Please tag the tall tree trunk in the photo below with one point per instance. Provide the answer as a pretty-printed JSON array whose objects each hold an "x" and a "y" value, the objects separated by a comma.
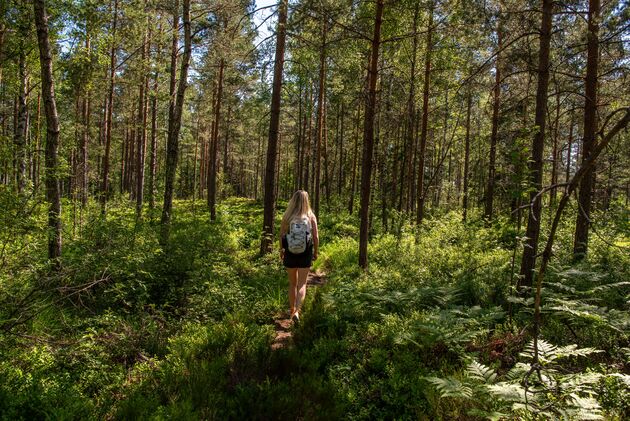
[
  {"x": 109, "y": 112},
  {"x": 142, "y": 128},
  {"x": 270, "y": 188},
  {"x": 53, "y": 188},
  {"x": 341, "y": 157},
  {"x": 495, "y": 124},
  {"x": 554, "y": 152},
  {"x": 466, "y": 157},
  {"x": 308, "y": 140},
  {"x": 425, "y": 119},
  {"x": 214, "y": 148},
  {"x": 20, "y": 130},
  {"x": 580, "y": 245},
  {"x": 567, "y": 176},
  {"x": 368, "y": 138},
  {"x": 528, "y": 263},
  {"x": 85, "y": 135},
  {"x": 226, "y": 144},
  {"x": 297, "y": 183},
  {"x": 153, "y": 158},
  {"x": 355, "y": 157},
  {"x": 38, "y": 143},
  {"x": 411, "y": 111},
  {"x": 174, "y": 124},
  {"x": 320, "y": 114}
]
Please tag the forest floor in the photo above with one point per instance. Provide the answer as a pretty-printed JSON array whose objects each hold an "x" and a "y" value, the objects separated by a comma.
[
  {"x": 193, "y": 330},
  {"x": 283, "y": 323}
]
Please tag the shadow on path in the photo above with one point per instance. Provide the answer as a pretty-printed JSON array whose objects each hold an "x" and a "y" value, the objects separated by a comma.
[{"x": 283, "y": 324}]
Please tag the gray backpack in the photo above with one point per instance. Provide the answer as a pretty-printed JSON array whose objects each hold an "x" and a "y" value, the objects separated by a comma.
[{"x": 299, "y": 235}]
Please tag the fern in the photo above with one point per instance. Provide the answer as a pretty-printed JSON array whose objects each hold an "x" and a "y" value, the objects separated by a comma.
[
  {"x": 481, "y": 373},
  {"x": 451, "y": 387},
  {"x": 547, "y": 392},
  {"x": 548, "y": 353}
]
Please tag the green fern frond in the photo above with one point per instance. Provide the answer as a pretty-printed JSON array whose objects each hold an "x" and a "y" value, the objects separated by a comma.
[
  {"x": 508, "y": 392},
  {"x": 545, "y": 350},
  {"x": 623, "y": 377},
  {"x": 518, "y": 371},
  {"x": 574, "y": 351},
  {"x": 481, "y": 373},
  {"x": 584, "y": 408},
  {"x": 548, "y": 352},
  {"x": 605, "y": 287},
  {"x": 451, "y": 387}
]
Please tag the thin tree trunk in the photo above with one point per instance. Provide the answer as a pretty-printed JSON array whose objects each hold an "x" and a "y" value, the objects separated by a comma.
[
  {"x": 425, "y": 119},
  {"x": 109, "y": 111},
  {"x": 580, "y": 245},
  {"x": 270, "y": 188},
  {"x": 528, "y": 262},
  {"x": 174, "y": 124},
  {"x": 341, "y": 156},
  {"x": 355, "y": 157},
  {"x": 466, "y": 157},
  {"x": 142, "y": 129},
  {"x": 38, "y": 144},
  {"x": 569, "y": 147},
  {"x": 214, "y": 149},
  {"x": 153, "y": 158},
  {"x": 495, "y": 125},
  {"x": 320, "y": 115},
  {"x": 53, "y": 189},
  {"x": 368, "y": 138},
  {"x": 226, "y": 144},
  {"x": 554, "y": 152},
  {"x": 20, "y": 130},
  {"x": 411, "y": 111}
]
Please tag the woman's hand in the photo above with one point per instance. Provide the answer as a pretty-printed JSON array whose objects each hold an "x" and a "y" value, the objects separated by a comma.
[
  {"x": 282, "y": 254},
  {"x": 315, "y": 255}
]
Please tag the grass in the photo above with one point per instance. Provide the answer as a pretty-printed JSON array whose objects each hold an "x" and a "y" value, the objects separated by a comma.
[{"x": 184, "y": 332}]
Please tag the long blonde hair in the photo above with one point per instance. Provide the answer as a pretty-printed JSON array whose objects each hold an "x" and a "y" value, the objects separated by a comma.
[{"x": 298, "y": 207}]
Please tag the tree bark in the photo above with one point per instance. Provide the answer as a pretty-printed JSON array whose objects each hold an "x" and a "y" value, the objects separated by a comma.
[
  {"x": 214, "y": 148},
  {"x": 142, "y": 129},
  {"x": 355, "y": 157},
  {"x": 368, "y": 138},
  {"x": 109, "y": 112},
  {"x": 528, "y": 262},
  {"x": 495, "y": 125},
  {"x": 425, "y": 119},
  {"x": 411, "y": 111},
  {"x": 466, "y": 158},
  {"x": 580, "y": 245},
  {"x": 20, "y": 130},
  {"x": 174, "y": 123},
  {"x": 569, "y": 147},
  {"x": 53, "y": 188},
  {"x": 320, "y": 115},
  {"x": 153, "y": 158},
  {"x": 270, "y": 176}
]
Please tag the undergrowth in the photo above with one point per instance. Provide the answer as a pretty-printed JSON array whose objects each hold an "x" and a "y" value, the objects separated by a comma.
[{"x": 128, "y": 329}]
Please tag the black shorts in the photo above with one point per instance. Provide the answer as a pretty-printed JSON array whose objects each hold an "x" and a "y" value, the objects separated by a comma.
[{"x": 302, "y": 260}]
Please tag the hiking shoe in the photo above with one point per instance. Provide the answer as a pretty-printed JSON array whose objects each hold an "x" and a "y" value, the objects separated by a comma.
[{"x": 295, "y": 318}]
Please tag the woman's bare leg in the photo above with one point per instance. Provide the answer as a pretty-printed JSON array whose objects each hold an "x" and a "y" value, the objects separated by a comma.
[
  {"x": 302, "y": 274},
  {"x": 292, "y": 288}
]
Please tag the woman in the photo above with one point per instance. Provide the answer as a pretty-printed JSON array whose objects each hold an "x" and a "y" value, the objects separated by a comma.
[{"x": 298, "y": 231}]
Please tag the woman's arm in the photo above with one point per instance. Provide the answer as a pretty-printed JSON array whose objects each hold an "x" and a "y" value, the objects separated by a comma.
[{"x": 315, "y": 236}]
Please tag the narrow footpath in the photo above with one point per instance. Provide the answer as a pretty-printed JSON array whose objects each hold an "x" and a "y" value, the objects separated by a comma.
[{"x": 283, "y": 324}]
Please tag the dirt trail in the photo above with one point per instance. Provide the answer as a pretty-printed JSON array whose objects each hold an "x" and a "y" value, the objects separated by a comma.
[{"x": 283, "y": 324}]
